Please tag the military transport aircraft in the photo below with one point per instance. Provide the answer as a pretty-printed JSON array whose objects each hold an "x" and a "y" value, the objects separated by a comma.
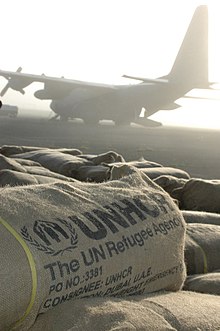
[{"x": 93, "y": 102}]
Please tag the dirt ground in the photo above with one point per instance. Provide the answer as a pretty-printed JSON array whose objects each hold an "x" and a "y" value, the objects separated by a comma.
[{"x": 193, "y": 150}]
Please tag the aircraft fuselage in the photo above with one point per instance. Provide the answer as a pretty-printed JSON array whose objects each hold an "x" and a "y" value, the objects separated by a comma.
[{"x": 122, "y": 105}]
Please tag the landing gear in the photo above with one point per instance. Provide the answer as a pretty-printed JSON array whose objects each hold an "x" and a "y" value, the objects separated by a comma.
[
  {"x": 91, "y": 119},
  {"x": 54, "y": 117},
  {"x": 64, "y": 118},
  {"x": 122, "y": 121}
]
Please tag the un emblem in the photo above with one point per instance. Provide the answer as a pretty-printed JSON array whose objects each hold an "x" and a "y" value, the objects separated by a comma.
[{"x": 52, "y": 238}]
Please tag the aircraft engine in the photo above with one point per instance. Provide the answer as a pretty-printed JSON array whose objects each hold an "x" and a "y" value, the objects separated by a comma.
[
  {"x": 51, "y": 93},
  {"x": 42, "y": 95},
  {"x": 16, "y": 83}
]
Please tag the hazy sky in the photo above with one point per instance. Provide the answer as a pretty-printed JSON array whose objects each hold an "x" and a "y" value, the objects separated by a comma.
[{"x": 100, "y": 40}]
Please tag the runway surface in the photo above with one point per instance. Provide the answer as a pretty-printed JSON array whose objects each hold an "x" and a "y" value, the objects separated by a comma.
[{"x": 193, "y": 150}]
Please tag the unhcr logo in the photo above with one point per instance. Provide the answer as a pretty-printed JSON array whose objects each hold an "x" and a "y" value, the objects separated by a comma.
[{"x": 49, "y": 237}]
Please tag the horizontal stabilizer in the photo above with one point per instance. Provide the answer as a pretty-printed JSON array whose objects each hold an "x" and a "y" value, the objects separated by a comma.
[
  {"x": 171, "y": 106},
  {"x": 214, "y": 86},
  {"x": 147, "y": 80},
  {"x": 201, "y": 98}
]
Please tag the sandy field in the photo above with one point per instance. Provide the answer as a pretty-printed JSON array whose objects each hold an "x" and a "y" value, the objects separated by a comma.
[{"x": 193, "y": 150}]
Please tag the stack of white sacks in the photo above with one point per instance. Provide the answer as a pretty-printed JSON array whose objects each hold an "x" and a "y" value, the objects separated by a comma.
[{"x": 92, "y": 242}]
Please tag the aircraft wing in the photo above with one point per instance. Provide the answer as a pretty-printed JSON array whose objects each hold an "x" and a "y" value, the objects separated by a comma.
[{"x": 18, "y": 81}]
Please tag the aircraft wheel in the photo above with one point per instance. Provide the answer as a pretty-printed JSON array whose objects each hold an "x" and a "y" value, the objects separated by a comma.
[
  {"x": 64, "y": 118},
  {"x": 121, "y": 121}
]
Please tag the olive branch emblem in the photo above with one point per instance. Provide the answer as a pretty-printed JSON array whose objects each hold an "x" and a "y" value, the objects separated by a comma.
[{"x": 47, "y": 249}]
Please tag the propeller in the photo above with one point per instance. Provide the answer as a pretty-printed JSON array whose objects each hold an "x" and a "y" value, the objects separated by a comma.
[
  {"x": 8, "y": 85},
  {"x": 5, "y": 89}
]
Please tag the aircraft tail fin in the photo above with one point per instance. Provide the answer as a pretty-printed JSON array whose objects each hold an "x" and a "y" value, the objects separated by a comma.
[{"x": 191, "y": 64}]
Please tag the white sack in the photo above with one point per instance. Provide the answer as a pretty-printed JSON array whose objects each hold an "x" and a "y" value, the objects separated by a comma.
[
  {"x": 205, "y": 283},
  {"x": 163, "y": 311},
  {"x": 108, "y": 157},
  {"x": 15, "y": 178},
  {"x": 159, "y": 171},
  {"x": 8, "y": 163},
  {"x": 191, "y": 216},
  {"x": 200, "y": 195},
  {"x": 9, "y": 150},
  {"x": 56, "y": 161},
  {"x": 96, "y": 173},
  {"x": 202, "y": 247},
  {"x": 60, "y": 242},
  {"x": 170, "y": 183},
  {"x": 140, "y": 164}
]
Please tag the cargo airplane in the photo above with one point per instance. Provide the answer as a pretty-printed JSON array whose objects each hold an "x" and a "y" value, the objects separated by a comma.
[{"x": 93, "y": 102}]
